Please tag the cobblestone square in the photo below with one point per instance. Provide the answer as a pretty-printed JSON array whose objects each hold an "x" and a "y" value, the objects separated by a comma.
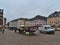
[{"x": 12, "y": 38}]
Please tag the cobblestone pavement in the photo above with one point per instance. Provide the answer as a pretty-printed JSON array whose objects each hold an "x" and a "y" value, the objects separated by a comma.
[{"x": 12, "y": 38}]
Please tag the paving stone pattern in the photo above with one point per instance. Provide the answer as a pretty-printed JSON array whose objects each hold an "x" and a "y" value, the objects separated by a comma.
[{"x": 12, "y": 38}]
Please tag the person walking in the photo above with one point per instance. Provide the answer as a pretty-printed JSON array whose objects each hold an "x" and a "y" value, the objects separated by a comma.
[{"x": 3, "y": 30}]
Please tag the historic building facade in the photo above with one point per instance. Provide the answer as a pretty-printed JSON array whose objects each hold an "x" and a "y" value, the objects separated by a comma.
[
  {"x": 13, "y": 23},
  {"x": 39, "y": 20},
  {"x": 54, "y": 19},
  {"x": 1, "y": 16},
  {"x": 4, "y": 21},
  {"x": 24, "y": 22},
  {"x": 20, "y": 22}
]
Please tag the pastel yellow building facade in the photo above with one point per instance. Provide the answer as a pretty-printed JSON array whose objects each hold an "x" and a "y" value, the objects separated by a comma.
[{"x": 54, "y": 19}]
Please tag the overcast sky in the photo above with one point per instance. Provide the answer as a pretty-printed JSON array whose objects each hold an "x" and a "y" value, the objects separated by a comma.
[{"x": 28, "y": 8}]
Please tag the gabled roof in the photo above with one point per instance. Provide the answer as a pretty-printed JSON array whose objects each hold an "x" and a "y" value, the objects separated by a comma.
[
  {"x": 39, "y": 17},
  {"x": 35, "y": 18},
  {"x": 19, "y": 19},
  {"x": 55, "y": 14}
]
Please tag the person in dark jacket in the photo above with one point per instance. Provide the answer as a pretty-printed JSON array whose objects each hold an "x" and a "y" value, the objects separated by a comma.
[{"x": 3, "y": 30}]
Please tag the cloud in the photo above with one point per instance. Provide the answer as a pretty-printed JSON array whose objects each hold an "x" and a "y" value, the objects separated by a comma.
[{"x": 28, "y": 8}]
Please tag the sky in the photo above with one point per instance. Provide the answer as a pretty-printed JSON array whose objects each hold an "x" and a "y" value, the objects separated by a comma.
[{"x": 14, "y": 9}]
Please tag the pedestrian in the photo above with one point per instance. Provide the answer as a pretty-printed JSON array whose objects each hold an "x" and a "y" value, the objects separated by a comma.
[
  {"x": 3, "y": 30},
  {"x": 15, "y": 29}
]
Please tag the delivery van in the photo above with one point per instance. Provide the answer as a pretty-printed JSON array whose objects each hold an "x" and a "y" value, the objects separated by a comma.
[{"x": 46, "y": 29}]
